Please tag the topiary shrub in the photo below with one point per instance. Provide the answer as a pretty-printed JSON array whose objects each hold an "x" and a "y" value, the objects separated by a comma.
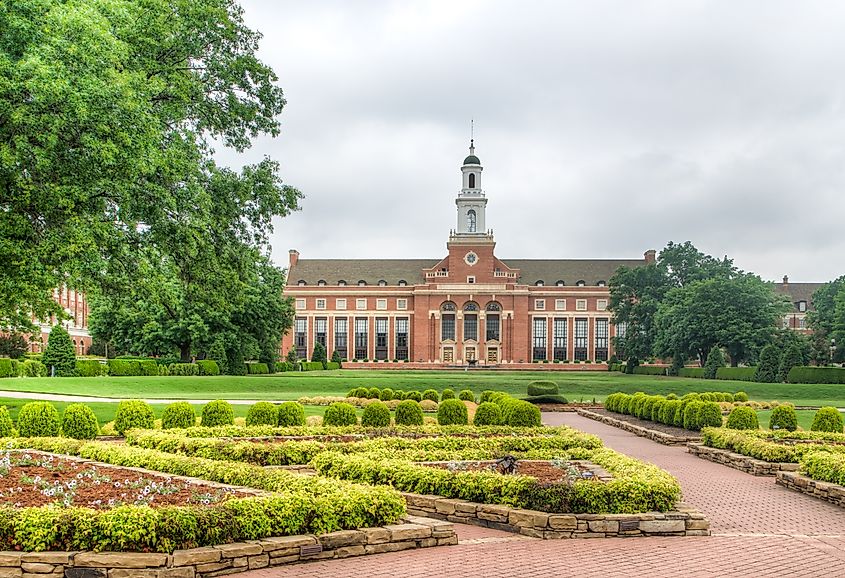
[
  {"x": 691, "y": 414},
  {"x": 79, "y": 422},
  {"x": 409, "y": 412},
  {"x": 218, "y": 412},
  {"x": 430, "y": 394},
  {"x": 784, "y": 417},
  {"x": 486, "y": 395},
  {"x": 447, "y": 394},
  {"x": 361, "y": 392},
  {"x": 208, "y": 367},
  {"x": 826, "y": 419},
  {"x": 543, "y": 388},
  {"x": 38, "y": 419},
  {"x": 657, "y": 409},
  {"x": 466, "y": 395},
  {"x": 668, "y": 411},
  {"x": 373, "y": 393},
  {"x": 376, "y": 414},
  {"x": 710, "y": 415},
  {"x": 352, "y": 392},
  {"x": 715, "y": 360},
  {"x": 7, "y": 430},
  {"x": 340, "y": 413},
  {"x": 452, "y": 412},
  {"x": 133, "y": 413},
  {"x": 742, "y": 417},
  {"x": 60, "y": 353},
  {"x": 415, "y": 395},
  {"x": 262, "y": 413},
  {"x": 487, "y": 413},
  {"x": 522, "y": 414},
  {"x": 180, "y": 414},
  {"x": 740, "y": 396},
  {"x": 290, "y": 414},
  {"x": 386, "y": 394}
]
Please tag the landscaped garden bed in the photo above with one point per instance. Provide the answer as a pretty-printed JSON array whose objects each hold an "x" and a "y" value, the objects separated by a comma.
[
  {"x": 660, "y": 433},
  {"x": 546, "y": 472}
]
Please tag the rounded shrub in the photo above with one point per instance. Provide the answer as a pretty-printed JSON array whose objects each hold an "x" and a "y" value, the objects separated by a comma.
[
  {"x": 668, "y": 411},
  {"x": 487, "y": 413},
  {"x": 352, "y": 392},
  {"x": 373, "y": 393},
  {"x": 740, "y": 396},
  {"x": 340, "y": 414},
  {"x": 522, "y": 414},
  {"x": 376, "y": 414},
  {"x": 133, "y": 413},
  {"x": 466, "y": 395},
  {"x": 672, "y": 396},
  {"x": 452, "y": 412},
  {"x": 784, "y": 417},
  {"x": 262, "y": 413},
  {"x": 826, "y": 419},
  {"x": 386, "y": 394},
  {"x": 691, "y": 414},
  {"x": 6, "y": 427},
  {"x": 430, "y": 394},
  {"x": 361, "y": 392},
  {"x": 415, "y": 395},
  {"x": 486, "y": 395},
  {"x": 409, "y": 412},
  {"x": 79, "y": 422},
  {"x": 657, "y": 410},
  {"x": 179, "y": 415},
  {"x": 710, "y": 415},
  {"x": 218, "y": 412},
  {"x": 543, "y": 388},
  {"x": 290, "y": 414},
  {"x": 428, "y": 406},
  {"x": 38, "y": 419},
  {"x": 447, "y": 394},
  {"x": 743, "y": 417}
]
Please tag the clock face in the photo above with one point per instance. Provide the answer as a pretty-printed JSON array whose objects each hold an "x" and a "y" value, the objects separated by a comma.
[{"x": 471, "y": 258}]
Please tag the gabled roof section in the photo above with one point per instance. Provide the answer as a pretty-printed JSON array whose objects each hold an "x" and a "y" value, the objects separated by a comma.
[
  {"x": 798, "y": 291},
  {"x": 570, "y": 271},
  {"x": 353, "y": 270}
]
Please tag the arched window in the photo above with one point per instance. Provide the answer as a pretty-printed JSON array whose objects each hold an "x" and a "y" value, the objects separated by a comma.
[
  {"x": 470, "y": 306},
  {"x": 301, "y": 283},
  {"x": 539, "y": 283},
  {"x": 471, "y": 221},
  {"x": 493, "y": 306},
  {"x": 341, "y": 283},
  {"x": 472, "y": 180},
  {"x": 580, "y": 283},
  {"x": 382, "y": 283},
  {"x": 448, "y": 306},
  {"x": 321, "y": 283},
  {"x": 560, "y": 283}
]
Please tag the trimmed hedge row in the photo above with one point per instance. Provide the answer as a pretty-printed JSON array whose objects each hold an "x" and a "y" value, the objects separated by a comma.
[
  {"x": 736, "y": 373},
  {"x": 649, "y": 370},
  {"x": 690, "y": 412},
  {"x": 761, "y": 447},
  {"x": 825, "y": 466},
  {"x": 695, "y": 372},
  {"x": 816, "y": 375}
]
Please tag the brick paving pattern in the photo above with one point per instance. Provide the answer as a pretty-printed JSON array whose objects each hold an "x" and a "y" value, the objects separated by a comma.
[{"x": 759, "y": 529}]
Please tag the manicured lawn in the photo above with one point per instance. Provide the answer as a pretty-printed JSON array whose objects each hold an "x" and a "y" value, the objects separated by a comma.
[
  {"x": 289, "y": 386},
  {"x": 805, "y": 418}
]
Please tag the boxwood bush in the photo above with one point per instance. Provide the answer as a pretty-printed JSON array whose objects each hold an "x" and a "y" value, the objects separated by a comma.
[
  {"x": 340, "y": 413},
  {"x": 38, "y": 419},
  {"x": 466, "y": 395},
  {"x": 291, "y": 414},
  {"x": 386, "y": 394},
  {"x": 183, "y": 369},
  {"x": 784, "y": 418},
  {"x": 430, "y": 394},
  {"x": 736, "y": 373},
  {"x": 520, "y": 413},
  {"x": 133, "y": 413},
  {"x": 208, "y": 367},
  {"x": 543, "y": 388},
  {"x": 179, "y": 414},
  {"x": 218, "y": 412},
  {"x": 827, "y": 419},
  {"x": 740, "y": 396},
  {"x": 6, "y": 369},
  {"x": 79, "y": 422},
  {"x": 409, "y": 412},
  {"x": 254, "y": 368},
  {"x": 373, "y": 393},
  {"x": 487, "y": 413},
  {"x": 452, "y": 412},
  {"x": 447, "y": 394},
  {"x": 486, "y": 395},
  {"x": 376, "y": 414},
  {"x": 6, "y": 427},
  {"x": 415, "y": 395},
  {"x": 262, "y": 413},
  {"x": 742, "y": 417}
]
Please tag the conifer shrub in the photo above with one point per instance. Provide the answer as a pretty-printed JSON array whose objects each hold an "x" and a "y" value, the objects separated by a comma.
[
  {"x": 715, "y": 360},
  {"x": 669, "y": 410},
  {"x": 262, "y": 413},
  {"x": 180, "y": 414},
  {"x": 133, "y": 413},
  {"x": 466, "y": 395},
  {"x": 430, "y": 394},
  {"x": 6, "y": 428},
  {"x": 60, "y": 353},
  {"x": 791, "y": 358},
  {"x": 784, "y": 418},
  {"x": 291, "y": 414},
  {"x": 414, "y": 395},
  {"x": 487, "y": 413},
  {"x": 743, "y": 417},
  {"x": 826, "y": 419},
  {"x": 657, "y": 409},
  {"x": 386, "y": 394},
  {"x": 340, "y": 413},
  {"x": 376, "y": 414},
  {"x": 452, "y": 412},
  {"x": 769, "y": 365},
  {"x": 218, "y": 412},
  {"x": 447, "y": 394},
  {"x": 319, "y": 354},
  {"x": 79, "y": 422},
  {"x": 409, "y": 412},
  {"x": 692, "y": 413}
]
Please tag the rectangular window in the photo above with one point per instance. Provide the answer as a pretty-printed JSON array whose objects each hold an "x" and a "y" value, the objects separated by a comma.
[
  {"x": 561, "y": 330},
  {"x": 401, "y": 304},
  {"x": 300, "y": 337},
  {"x": 581, "y": 337},
  {"x": 470, "y": 279},
  {"x": 580, "y": 305},
  {"x": 321, "y": 326},
  {"x": 321, "y": 303},
  {"x": 560, "y": 304},
  {"x": 447, "y": 327},
  {"x": 601, "y": 340},
  {"x": 341, "y": 336},
  {"x": 300, "y": 303},
  {"x": 381, "y": 304},
  {"x": 621, "y": 330},
  {"x": 802, "y": 306},
  {"x": 601, "y": 305},
  {"x": 539, "y": 340},
  {"x": 470, "y": 326},
  {"x": 802, "y": 323},
  {"x": 401, "y": 338},
  {"x": 493, "y": 325},
  {"x": 340, "y": 304},
  {"x": 361, "y": 335},
  {"x": 540, "y": 304},
  {"x": 381, "y": 338},
  {"x": 361, "y": 304}
]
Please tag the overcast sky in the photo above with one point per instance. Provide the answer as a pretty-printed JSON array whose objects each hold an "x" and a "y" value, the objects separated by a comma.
[{"x": 605, "y": 128}]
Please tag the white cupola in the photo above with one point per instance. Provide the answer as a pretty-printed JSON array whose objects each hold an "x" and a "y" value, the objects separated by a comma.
[{"x": 471, "y": 201}]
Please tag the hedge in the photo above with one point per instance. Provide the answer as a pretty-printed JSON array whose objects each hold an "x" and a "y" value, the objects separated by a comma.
[
  {"x": 91, "y": 368},
  {"x": 208, "y": 367},
  {"x": 257, "y": 368},
  {"x": 132, "y": 367},
  {"x": 183, "y": 369},
  {"x": 825, "y": 466},
  {"x": 816, "y": 375},
  {"x": 6, "y": 368},
  {"x": 282, "y": 366},
  {"x": 760, "y": 444},
  {"x": 695, "y": 372},
  {"x": 543, "y": 388},
  {"x": 736, "y": 373},
  {"x": 311, "y": 366},
  {"x": 649, "y": 370}
]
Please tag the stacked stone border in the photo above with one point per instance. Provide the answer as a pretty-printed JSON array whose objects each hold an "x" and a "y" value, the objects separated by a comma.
[
  {"x": 654, "y": 435},
  {"x": 684, "y": 521},
  {"x": 827, "y": 491},
  {"x": 226, "y": 559},
  {"x": 740, "y": 462}
]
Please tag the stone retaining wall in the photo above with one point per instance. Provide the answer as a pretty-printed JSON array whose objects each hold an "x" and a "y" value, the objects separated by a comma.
[
  {"x": 654, "y": 435},
  {"x": 226, "y": 559},
  {"x": 684, "y": 521},
  {"x": 740, "y": 462},
  {"x": 833, "y": 493}
]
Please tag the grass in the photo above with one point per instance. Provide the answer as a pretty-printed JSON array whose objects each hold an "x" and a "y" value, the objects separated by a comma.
[{"x": 574, "y": 385}]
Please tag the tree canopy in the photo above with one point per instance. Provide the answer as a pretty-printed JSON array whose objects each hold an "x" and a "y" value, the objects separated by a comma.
[{"x": 828, "y": 320}]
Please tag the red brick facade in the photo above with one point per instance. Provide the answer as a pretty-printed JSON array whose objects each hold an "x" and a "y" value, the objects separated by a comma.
[{"x": 76, "y": 306}]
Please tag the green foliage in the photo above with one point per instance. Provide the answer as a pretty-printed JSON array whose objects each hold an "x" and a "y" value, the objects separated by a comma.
[
  {"x": 827, "y": 419},
  {"x": 784, "y": 418},
  {"x": 376, "y": 414},
  {"x": 12, "y": 345},
  {"x": 710, "y": 415},
  {"x": 319, "y": 354},
  {"x": 257, "y": 368},
  {"x": 742, "y": 417},
  {"x": 692, "y": 415},
  {"x": 340, "y": 414},
  {"x": 649, "y": 370},
  {"x": 543, "y": 388},
  {"x": 414, "y": 395},
  {"x": 262, "y": 413},
  {"x": 336, "y": 359},
  {"x": 34, "y": 368},
  {"x": 184, "y": 369},
  {"x": 179, "y": 414},
  {"x": 79, "y": 422},
  {"x": 409, "y": 412},
  {"x": 769, "y": 365},
  {"x": 218, "y": 412},
  {"x": 38, "y": 418},
  {"x": 90, "y": 368},
  {"x": 290, "y": 414},
  {"x": 373, "y": 393},
  {"x": 447, "y": 394},
  {"x": 737, "y": 373},
  {"x": 740, "y": 396},
  {"x": 430, "y": 394},
  {"x": 825, "y": 466},
  {"x": 311, "y": 366},
  {"x": 486, "y": 395},
  {"x": 133, "y": 413},
  {"x": 519, "y": 413},
  {"x": 695, "y": 372},
  {"x": 715, "y": 360},
  {"x": 452, "y": 412},
  {"x": 6, "y": 427},
  {"x": 792, "y": 357},
  {"x": 466, "y": 395},
  {"x": 60, "y": 353},
  {"x": 816, "y": 375},
  {"x": 6, "y": 369},
  {"x": 386, "y": 394},
  {"x": 487, "y": 413},
  {"x": 132, "y": 367},
  {"x": 208, "y": 367}
]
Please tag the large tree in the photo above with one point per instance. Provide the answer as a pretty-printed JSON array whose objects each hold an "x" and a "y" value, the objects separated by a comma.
[{"x": 828, "y": 320}]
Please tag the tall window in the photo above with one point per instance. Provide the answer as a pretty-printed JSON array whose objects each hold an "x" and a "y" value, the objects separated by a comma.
[
  {"x": 471, "y": 218},
  {"x": 561, "y": 330},
  {"x": 401, "y": 338},
  {"x": 361, "y": 330},
  {"x": 493, "y": 321},
  {"x": 539, "y": 342},
  {"x": 381, "y": 337},
  {"x": 447, "y": 321},
  {"x": 321, "y": 325},
  {"x": 340, "y": 337},
  {"x": 621, "y": 330},
  {"x": 471, "y": 326},
  {"x": 472, "y": 180},
  {"x": 601, "y": 339},
  {"x": 581, "y": 337},
  {"x": 300, "y": 337}
]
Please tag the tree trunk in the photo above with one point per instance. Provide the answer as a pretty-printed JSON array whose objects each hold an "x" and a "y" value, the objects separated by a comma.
[{"x": 185, "y": 353}]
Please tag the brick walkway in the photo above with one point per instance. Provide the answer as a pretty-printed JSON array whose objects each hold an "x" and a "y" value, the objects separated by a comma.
[{"x": 759, "y": 529}]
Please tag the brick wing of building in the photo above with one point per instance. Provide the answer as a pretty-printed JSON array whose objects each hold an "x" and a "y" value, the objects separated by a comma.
[{"x": 469, "y": 306}]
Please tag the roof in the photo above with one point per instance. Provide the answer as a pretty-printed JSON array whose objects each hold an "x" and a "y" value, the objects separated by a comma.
[
  {"x": 570, "y": 271},
  {"x": 798, "y": 291},
  {"x": 472, "y": 160}
]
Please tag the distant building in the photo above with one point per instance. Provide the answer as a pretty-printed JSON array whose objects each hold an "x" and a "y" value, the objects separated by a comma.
[
  {"x": 75, "y": 306},
  {"x": 801, "y": 295}
]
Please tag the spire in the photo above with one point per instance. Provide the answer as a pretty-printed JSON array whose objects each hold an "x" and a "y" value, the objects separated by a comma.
[{"x": 471, "y": 159}]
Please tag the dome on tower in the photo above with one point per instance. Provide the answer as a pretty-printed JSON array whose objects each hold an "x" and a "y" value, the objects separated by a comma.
[{"x": 472, "y": 160}]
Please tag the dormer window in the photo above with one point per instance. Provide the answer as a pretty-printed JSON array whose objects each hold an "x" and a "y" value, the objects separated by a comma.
[
  {"x": 581, "y": 283},
  {"x": 321, "y": 283},
  {"x": 382, "y": 283},
  {"x": 402, "y": 283},
  {"x": 539, "y": 283},
  {"x": 362, "y": 283},
  {"x": 802, "y": 306},
  {"x": 341, "y": 283},
  {"x": 301, "y": 283},
  {"x": 560, "y": 283},
  {"x": 602, "y": 284}
]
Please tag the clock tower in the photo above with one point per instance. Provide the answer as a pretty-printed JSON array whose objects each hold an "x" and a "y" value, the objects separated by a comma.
[{"x": 471, "y": 201}]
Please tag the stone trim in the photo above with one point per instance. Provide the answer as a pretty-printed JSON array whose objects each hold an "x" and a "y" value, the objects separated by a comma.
[
  {"x": 827, "y": 491},
  {"x": 740, "y": 462},
  {"x": 654, "y": 435},
  {"x": 683, "y": 521},
  {"x": 208, "y": 561}
]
